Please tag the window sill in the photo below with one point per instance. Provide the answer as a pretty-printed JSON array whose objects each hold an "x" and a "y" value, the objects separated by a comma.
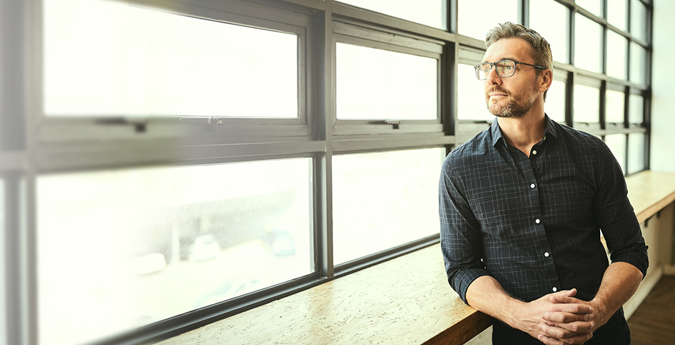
[{"x": 406, "y": 300}]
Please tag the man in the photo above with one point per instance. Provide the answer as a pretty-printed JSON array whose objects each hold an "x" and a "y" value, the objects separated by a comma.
[{"x": 522, "y": 205}]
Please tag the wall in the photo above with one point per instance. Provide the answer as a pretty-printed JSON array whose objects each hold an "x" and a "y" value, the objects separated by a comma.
[{"x": 663, "y": 107}]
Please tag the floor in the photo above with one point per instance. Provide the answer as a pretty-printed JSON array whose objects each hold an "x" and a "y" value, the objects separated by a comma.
[{"x": 653, "y": 323}]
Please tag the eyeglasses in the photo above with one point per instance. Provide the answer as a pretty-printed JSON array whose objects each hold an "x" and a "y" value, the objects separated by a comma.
[{"x": 505, "y": 68}]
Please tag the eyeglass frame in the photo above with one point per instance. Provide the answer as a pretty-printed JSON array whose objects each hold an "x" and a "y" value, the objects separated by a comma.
[{"x": 492, "y": 65}]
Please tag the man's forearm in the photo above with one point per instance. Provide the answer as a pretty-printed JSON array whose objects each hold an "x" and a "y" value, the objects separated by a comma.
[
  {"x": 488, "y": 296},
  {"x": 619, "y": 283}
]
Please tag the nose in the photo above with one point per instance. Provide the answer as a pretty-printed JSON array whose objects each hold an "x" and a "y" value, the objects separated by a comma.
[{"x": 493, "y": 78}]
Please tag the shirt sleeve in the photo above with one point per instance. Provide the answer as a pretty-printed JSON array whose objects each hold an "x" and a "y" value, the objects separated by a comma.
[
  {"x": 461, "y": 243},
  {"x": 616, "y": 217}
]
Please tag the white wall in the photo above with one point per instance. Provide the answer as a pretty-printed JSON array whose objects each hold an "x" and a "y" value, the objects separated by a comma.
[{"x": 663, "y": 89}]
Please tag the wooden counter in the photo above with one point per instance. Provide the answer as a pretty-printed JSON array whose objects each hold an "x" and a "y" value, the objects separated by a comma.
[
  {"x": 406, "y": 300},
  {"x": 649, "y": 192}
]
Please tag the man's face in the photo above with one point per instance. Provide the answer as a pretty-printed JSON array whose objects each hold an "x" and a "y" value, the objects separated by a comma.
[{"x": 513, "y": 96}]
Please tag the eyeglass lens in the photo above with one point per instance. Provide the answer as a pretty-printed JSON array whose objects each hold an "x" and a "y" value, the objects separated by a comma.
[{"x": 505, "y": 69}]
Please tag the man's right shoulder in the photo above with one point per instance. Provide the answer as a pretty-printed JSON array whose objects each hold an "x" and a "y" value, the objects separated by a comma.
[{"x": 469, "y": 150}]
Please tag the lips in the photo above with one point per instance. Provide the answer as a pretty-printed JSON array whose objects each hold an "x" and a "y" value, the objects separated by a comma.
[{"x": 497, "y": 92}]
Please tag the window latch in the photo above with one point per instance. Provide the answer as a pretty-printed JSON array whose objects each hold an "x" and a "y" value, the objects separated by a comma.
[
  {"x": 140, "y": 123},
  {"x": 395, "y": 123}
]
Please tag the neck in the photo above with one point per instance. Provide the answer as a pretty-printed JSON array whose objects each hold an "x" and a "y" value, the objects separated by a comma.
[{"x": 523, "y": 133}]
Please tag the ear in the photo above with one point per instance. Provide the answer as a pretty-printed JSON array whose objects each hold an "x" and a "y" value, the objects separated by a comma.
[{"x": 546, "y": 80}]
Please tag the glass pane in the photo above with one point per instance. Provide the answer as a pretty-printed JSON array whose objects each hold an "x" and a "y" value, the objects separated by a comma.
[
  {"x": 384, "y": 199},
  {"x": 615, "y": 106},
  {"x": 476, "y": 18},
  {"x": 636, "y": 152},
  {"x": 136, "y": 246},
  {"x": 428, "y": 12},
  {"x": 586, "y": 104},
  {"x": 471, "y": 104},
  {"x": 638, "y": 61},
  {"x": 638, "y": 20},
  {"x": 588, "y": 44},
  {"x": 616, "y": 13},
  {"x": 123, "y": 60},
  {"x": 617, "y": 51},
  {"x": 551, "y": 20},
  {"x": 617, "y": 144},
  {"x": 636, "y": 109},
  {"x": 380, "y": 84},
  {"x": 555, "y": 101},
  {"x": 593, "y": 6}
]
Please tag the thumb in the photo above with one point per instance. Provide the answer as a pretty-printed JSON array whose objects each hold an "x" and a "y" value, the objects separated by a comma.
[{"x": 556, "y": 297}]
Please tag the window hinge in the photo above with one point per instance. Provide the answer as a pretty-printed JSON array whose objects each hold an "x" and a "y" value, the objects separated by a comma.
[
  {"x": 395, "y": 123},
  {"x": 140, "y": 124}
]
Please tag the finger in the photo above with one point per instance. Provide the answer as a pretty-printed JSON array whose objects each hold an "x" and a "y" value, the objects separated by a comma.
[
  {"x": 564, "y": 336},
  {"x": 549, "y": 341},
  {"x": 563, "y": 317},
  {"x": 572, "y": 308},
  {"x": 574, "y": 326}
]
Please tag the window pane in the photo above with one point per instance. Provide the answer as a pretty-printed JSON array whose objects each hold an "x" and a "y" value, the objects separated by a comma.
[
  {"x": 428, "y": 12},
  {"x": 636, "y": 109},
  {"x": 477, "y": 17},
  {"x": 617, "y": 144},
  {"x": 638, "y": 20},
  {"x": 123, "y": 60},
  {"x": 551, "y": 20},
  {"x": 638, "y": 63},
  {"x": 615, "y": 106},
  {"x": 616, "y": 13},
  {"x": 555, "y": 101},
  {"x": 617, "y": 51},
  {"x": 593, "y": 6},
  {"x": 385, "y": 199},
  {"x": 136, "y": 246},
  {"x": 471, "y": 103},
  {"x": 380, "y": 84},
  {"x": 588, "y": 44},
  {"x": 586, "y": 104},
  {"x": 636, "y": 152}
]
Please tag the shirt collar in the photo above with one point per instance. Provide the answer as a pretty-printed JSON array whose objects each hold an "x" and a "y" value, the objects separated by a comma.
[{"x": 496, "y": 132}]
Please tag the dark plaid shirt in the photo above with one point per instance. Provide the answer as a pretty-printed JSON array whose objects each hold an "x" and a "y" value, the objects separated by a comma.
[{"x": 534, "y": 223}]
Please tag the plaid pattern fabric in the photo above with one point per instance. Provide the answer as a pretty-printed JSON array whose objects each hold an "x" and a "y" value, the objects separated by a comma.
[{"x": 534, "y": 223}]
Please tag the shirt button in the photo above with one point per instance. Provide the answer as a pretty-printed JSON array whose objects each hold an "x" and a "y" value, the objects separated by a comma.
[
  {"x": 534, "y": 152},
  {"x": 537, "y": 221},
  {"x": 554, "y": 289},
  {"x": 532, "y": 186},
  {"x": 544, "y": 137},
  {"x": 546, "y": 254}
]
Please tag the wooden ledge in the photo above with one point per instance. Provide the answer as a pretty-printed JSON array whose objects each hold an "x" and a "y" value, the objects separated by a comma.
[
  {"x": 406, "y": 300},
  {"x": 649, "y": 192}
]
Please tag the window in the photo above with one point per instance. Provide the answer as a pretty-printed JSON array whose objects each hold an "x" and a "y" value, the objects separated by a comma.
[
  {"x": 140, "y": 245},
  {"x": 397, "y": 200},
  {"x": 588, "y": 51},
  {"x": 428, "y": 12},
  {"x": 372, "y": 85},
  {"x": 586, "y": 104},
  {"x": 549, "y": 18},
  {"x": 617, "y": 15},
  {"x": 617, "y": 144},
  {"x": 477, "y": 17},
  {"x": 178, "y": 162},
  {"x": 615, "y": 106},
  {"x": 617, "y": 48}
]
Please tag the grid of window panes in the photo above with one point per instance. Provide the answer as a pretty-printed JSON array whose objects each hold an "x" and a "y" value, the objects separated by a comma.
[{"x": 193, "y": 160}]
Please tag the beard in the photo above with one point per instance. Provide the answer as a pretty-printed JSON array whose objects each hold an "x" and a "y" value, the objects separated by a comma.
[{"x": 516, "y": 107}]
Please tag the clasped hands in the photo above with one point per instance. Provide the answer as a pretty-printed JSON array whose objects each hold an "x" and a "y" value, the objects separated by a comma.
[{"x": 560, "y": 318}]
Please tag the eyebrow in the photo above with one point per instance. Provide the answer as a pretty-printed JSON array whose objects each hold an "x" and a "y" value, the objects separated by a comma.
[{"x": 503, "y": 58}]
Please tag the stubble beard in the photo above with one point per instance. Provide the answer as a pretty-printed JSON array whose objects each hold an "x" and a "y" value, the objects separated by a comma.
[{"x": 516, "y": 108}]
